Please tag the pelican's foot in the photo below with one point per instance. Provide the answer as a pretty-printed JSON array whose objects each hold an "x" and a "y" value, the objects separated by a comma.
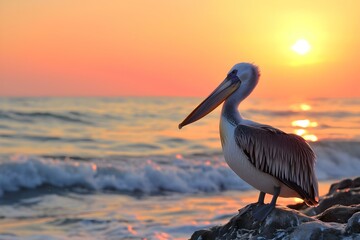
[{"x": 262, "y": 211}]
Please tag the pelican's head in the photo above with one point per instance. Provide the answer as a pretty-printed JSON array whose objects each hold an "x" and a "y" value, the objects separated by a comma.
[{"x": 240, "y": 81}]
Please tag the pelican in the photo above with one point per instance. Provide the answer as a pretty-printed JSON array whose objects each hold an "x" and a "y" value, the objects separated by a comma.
[{"x": 267, "y": 158}]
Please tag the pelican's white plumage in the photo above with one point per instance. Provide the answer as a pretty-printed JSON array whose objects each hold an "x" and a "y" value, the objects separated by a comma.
[{"x": 270, "y": 160}]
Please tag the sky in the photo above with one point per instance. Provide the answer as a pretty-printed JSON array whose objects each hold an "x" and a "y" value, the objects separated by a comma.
[{"x": 177, "y": 48}]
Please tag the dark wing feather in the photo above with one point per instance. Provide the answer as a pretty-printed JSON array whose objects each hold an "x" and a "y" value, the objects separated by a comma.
[{"x": 287, "y": 157}]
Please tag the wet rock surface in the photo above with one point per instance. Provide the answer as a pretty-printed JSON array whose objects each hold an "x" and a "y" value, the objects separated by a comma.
[{"x": 336, "y": 217}]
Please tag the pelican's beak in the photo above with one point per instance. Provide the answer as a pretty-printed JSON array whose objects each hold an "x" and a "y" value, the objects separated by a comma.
[{"x": 222, "y": 92}]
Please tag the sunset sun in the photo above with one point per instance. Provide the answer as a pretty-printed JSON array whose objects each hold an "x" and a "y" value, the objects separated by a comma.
[{"x": 301, "y": 47}]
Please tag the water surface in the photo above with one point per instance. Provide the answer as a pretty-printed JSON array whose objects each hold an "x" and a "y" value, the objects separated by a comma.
[{"x": 119, "y": 168}]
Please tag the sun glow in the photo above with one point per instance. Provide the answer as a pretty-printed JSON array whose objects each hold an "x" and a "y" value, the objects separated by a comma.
[{"x": 301, "y": 46}]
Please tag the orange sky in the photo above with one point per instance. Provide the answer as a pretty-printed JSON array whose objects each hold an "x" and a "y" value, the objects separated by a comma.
[{"x": 177, "y": 48}]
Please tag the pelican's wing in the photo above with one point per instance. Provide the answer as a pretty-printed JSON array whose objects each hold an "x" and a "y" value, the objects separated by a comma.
[{"x": 287, "y": 157}]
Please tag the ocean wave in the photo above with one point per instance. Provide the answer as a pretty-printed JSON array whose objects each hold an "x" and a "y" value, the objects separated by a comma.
[
  {"x": 287, "y": 113},
  {"x": 146, "y": 176},
  {"x": 157, "y": 175},
  {"x": 40, "y": 138},
  {"x": 337, "y": 159},
  {"x": 74, "y": 117}
]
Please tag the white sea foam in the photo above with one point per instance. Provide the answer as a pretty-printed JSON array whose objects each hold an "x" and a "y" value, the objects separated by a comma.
[
  {"x": 140, "y": 175},
  {"x": 337, "y": 160},
  {"x": 144, "y": 176}
]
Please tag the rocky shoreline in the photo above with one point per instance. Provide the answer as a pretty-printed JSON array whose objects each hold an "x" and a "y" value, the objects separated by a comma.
[{"x": 336, "y": 217}]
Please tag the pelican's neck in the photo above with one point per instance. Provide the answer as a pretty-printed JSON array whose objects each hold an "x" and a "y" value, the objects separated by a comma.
[{"x": 230, "y": 110}]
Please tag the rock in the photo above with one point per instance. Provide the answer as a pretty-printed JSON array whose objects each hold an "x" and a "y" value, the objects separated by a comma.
[
  {"x": 353, "y": 225},
  {"x": 336, "y": 217},
  {"x": 338, "y": 213},
  {"x": 345, "y": 192},
  {"x": 346, "y": 183}
]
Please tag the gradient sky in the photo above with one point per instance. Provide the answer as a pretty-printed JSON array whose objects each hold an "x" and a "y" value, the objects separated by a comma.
[{"x": 177, "y": 48}]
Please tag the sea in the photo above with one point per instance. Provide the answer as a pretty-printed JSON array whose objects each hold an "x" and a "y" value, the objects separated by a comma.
[{"x": 119, "y": 167}]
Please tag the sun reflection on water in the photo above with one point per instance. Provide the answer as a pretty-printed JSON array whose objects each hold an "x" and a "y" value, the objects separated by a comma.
[
  {"x": 297, "y": 200},
  {"x": 131, "y": 230},
  {"x": 304, "y": 123},
  {"x": 300, "y": 132},
  {"x": 310, "y": 137},
  {"x": 94, "y": 167},
  {"x": 162, "y": 236},
  {"x": 304, "y": 134},
  {"x": 301, "y": 107}
]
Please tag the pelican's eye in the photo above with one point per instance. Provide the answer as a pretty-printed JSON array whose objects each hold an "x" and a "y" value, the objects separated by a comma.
[{"x": 233, "y": 72}]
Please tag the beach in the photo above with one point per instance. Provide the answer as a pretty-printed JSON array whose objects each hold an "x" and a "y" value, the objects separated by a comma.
[{"x": 118, "y": 168}]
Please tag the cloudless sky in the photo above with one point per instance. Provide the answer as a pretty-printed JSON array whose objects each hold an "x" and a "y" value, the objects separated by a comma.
[{"x": 177, "y": 48}]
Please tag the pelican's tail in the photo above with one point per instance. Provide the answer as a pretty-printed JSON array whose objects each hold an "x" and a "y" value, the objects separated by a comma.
[{"x": 313, "y": 200}]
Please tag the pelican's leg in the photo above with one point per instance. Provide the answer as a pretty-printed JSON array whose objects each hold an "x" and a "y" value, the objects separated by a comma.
[
  {"x": 262, "y": 211},
  {"x": 261, "y": 198}
]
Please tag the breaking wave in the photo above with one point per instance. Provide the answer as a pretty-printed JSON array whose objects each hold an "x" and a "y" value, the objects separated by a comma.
[{"x": 159, "y": 174}]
